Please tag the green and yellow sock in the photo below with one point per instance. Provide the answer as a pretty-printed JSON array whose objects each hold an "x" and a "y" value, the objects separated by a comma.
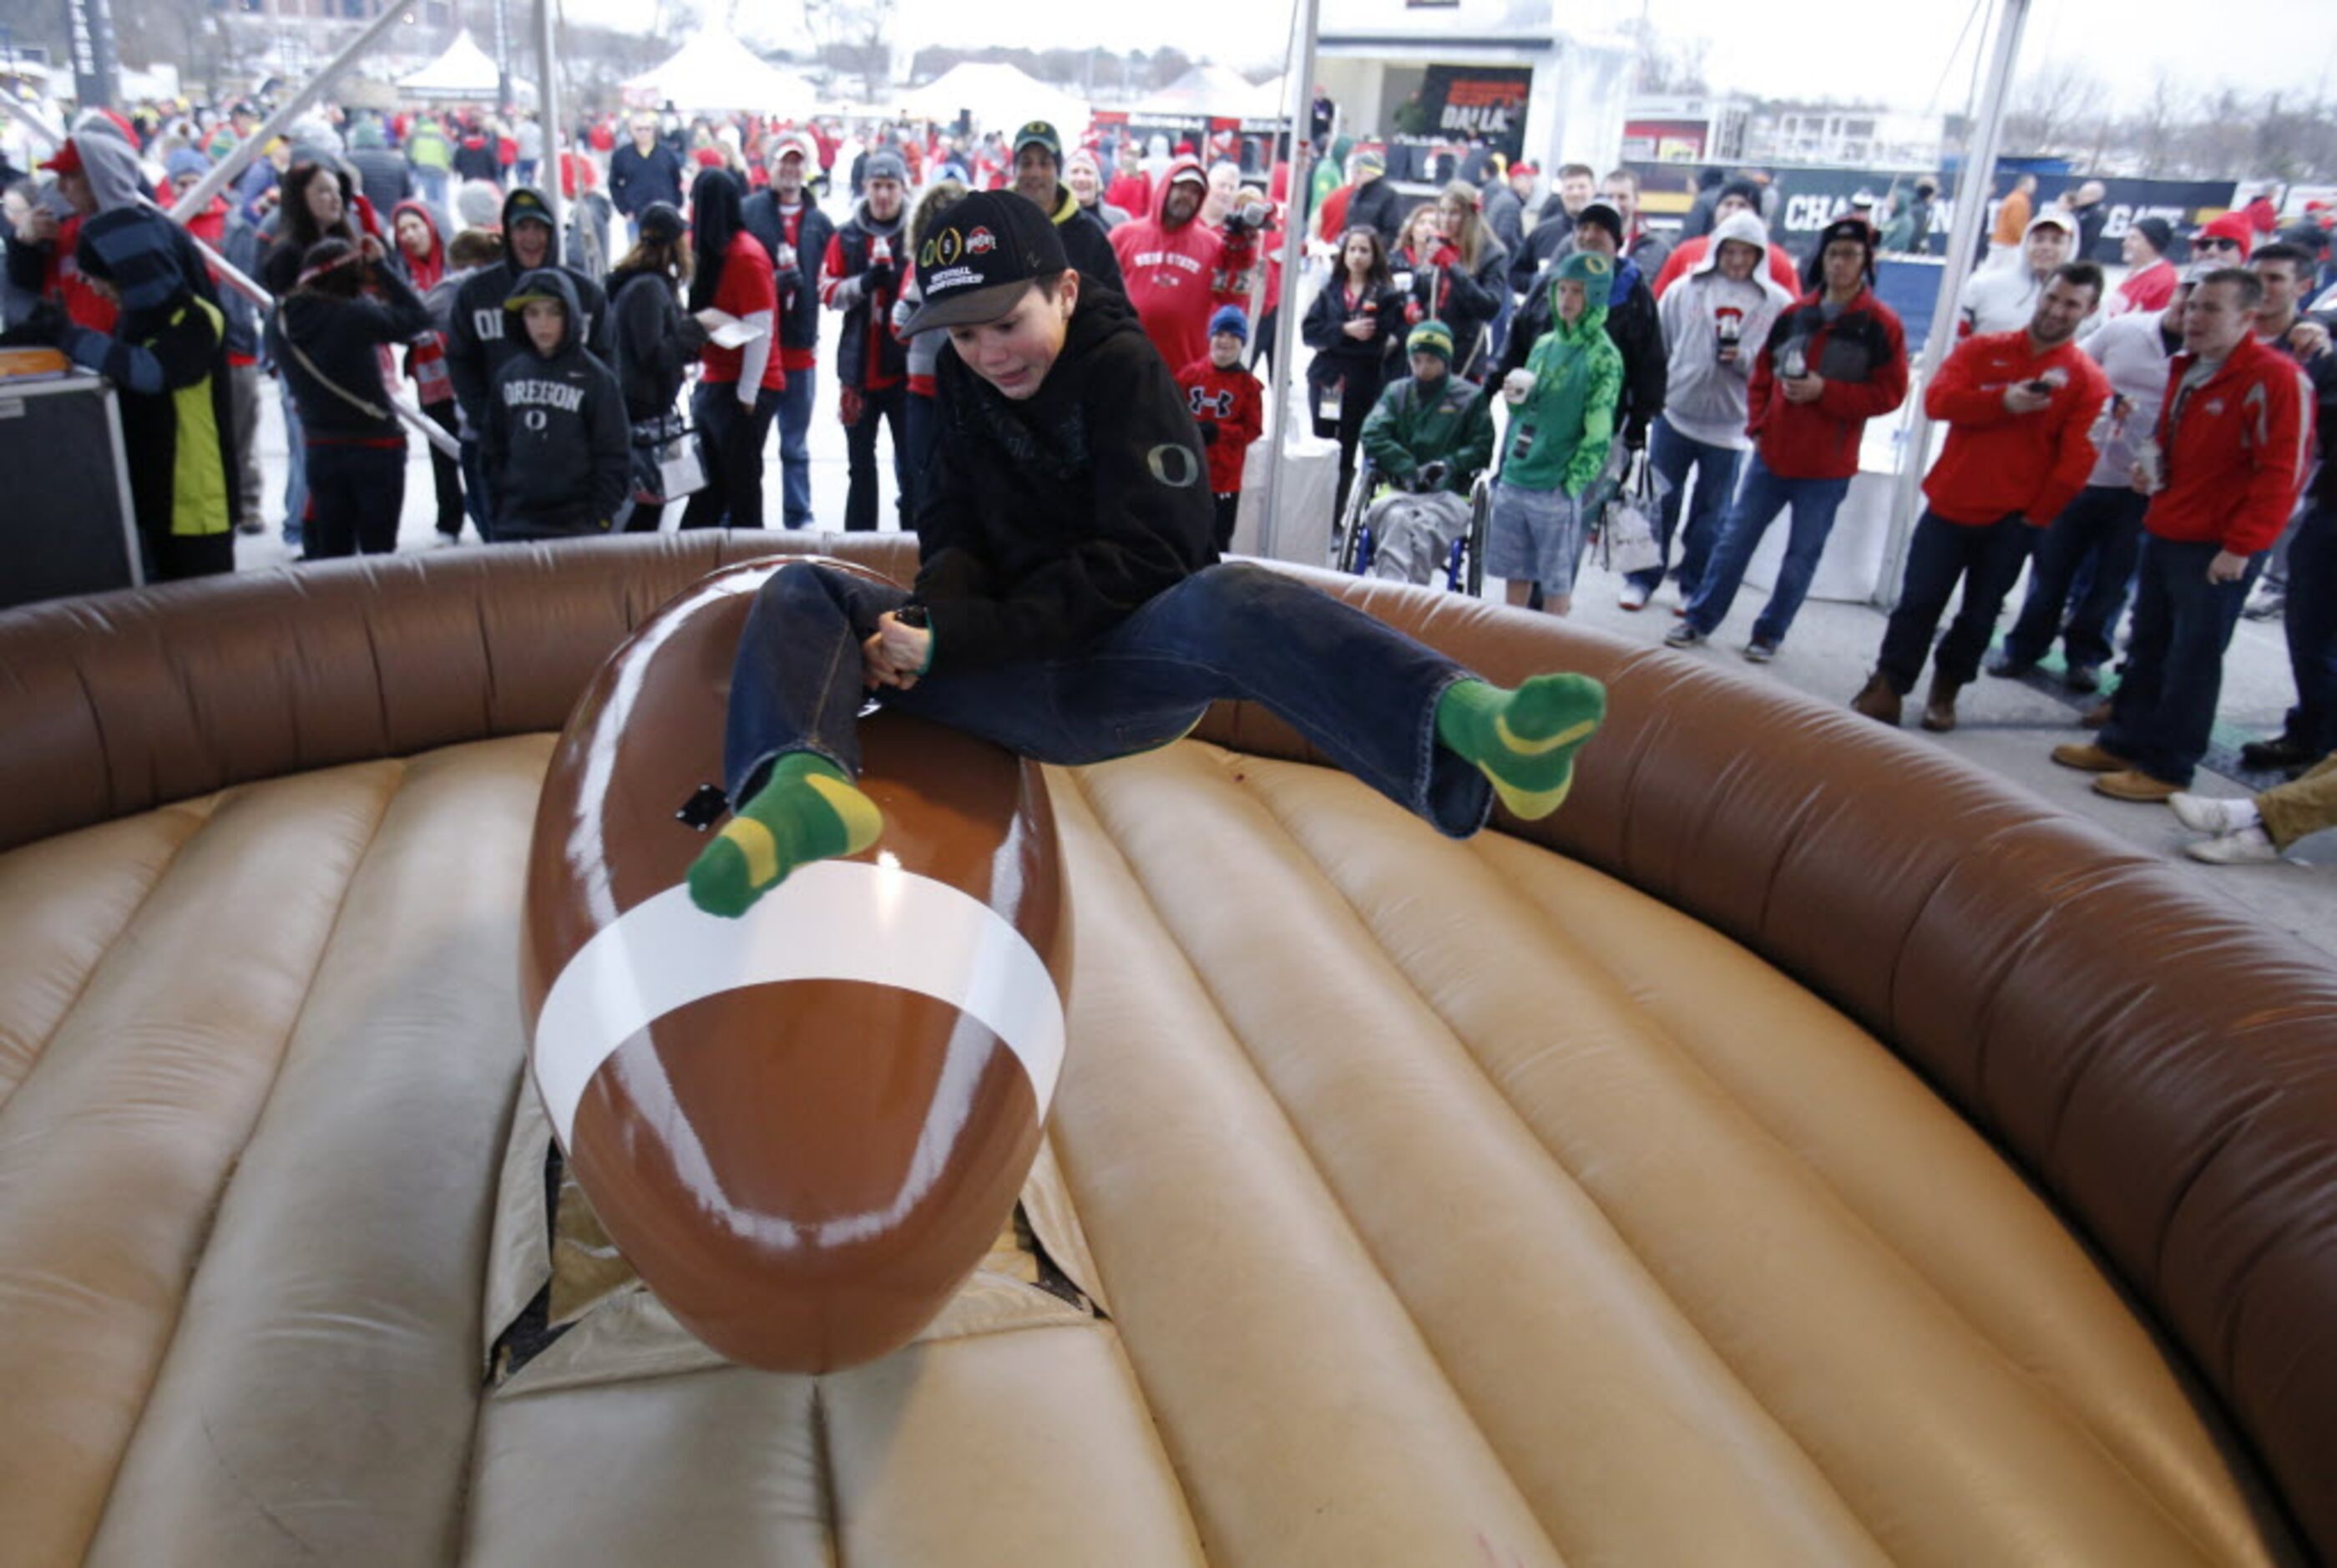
[
  {"x": 808, "y": 810},
  {"x": 1523, "y": 741}
]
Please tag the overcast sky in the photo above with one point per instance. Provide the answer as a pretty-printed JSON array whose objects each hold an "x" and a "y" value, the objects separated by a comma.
[{"x": 1899, "y": 54}]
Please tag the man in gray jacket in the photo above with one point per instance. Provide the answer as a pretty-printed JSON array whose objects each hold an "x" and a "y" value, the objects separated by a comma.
[{"x": 1714, "y": 322}]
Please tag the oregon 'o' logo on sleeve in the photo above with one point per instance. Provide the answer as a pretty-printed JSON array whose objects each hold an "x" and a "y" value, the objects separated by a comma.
[{"x": 1175, "y": 466}]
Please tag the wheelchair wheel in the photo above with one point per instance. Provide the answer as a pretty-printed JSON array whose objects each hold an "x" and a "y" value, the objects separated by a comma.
[
  {"x": 1480, "y": 512},
  {"x": 1351, "y": 544}
]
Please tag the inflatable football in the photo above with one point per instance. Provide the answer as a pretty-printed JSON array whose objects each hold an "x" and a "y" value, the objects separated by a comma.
[{"x": 804, "y": 1127}]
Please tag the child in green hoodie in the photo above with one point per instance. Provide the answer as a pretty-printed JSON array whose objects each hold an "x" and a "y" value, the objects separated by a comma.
[{"x": 1561, "y": 423}]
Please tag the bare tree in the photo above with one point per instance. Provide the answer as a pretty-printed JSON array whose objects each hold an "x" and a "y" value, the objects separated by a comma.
[
  {"x": 2055, "y": 107},
  {"x": 855, "y": 37},
  {"x": 2154, "y": 130}
]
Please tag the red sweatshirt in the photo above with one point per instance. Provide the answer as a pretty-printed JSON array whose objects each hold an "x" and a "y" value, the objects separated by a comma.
[
  {"x": 2235, "y": 461},
  {"x": 1176, "y": 278},
  {"x": 1997, "y": 462},
  {"x": 1235, "y": 405}
]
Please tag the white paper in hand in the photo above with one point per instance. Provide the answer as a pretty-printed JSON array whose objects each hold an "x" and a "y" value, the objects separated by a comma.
[{"x": 724, "y": 330}]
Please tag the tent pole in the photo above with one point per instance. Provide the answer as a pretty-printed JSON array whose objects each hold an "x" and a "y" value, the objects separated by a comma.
[
  {"x": 198, "y": 195},
  {"x": 1296, "y": 220},
  {"x": 547, "y": 114},
  {"x": 1963, "y": 235}
]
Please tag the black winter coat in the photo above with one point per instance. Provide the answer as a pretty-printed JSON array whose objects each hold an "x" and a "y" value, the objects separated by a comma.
[
  {"x": 340, "y": 338},
  {"x": 1044, "y": 522},
  {"x": 652, "y": 342},
  {"x": 799, "y": 290}
]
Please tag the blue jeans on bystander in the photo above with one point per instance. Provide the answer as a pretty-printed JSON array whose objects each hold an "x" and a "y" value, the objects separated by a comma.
[
  {"x": 1765, "y": 494},
  {"x": 1675, "y": 456},
  {"x": 2165, "y": 709}
]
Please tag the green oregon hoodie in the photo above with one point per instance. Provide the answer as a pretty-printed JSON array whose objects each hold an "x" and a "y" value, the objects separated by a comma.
[{"x": 1559, "y": 434}]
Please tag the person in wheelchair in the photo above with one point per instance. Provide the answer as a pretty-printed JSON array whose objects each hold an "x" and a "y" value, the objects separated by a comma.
[{"x": 1426, "y": 440}]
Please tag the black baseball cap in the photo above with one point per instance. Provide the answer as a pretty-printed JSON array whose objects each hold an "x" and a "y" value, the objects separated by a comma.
[
  {"x": 978, "y": 257},
  {"x": 1037, "y": 132}
]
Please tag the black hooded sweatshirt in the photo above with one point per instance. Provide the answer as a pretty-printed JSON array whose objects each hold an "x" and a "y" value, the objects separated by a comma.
[
  {"x": 342, "y": 339},
  {"x": 555, "y": 439},
  {"x": 476, "y": 345},
  {"x": 1044, "y": 522}
]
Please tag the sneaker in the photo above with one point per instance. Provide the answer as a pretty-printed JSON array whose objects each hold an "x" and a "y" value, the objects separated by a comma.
[
  {"x": 2264, "y": 602},
  {"x": 250, "y": 525},
  {"x": 2083, "y": 678},
  {"x": 1759, "y": 653},
  {"x": 2009, "y": 667},
  {"x": 2211, "y": 814},
  {"x": 2133, "y": 784},
  {"x": 2248, "y": 846},
  {"x": 2088, "y": 758},
  {"x": 1635, "y": 596},
  {"x": 1683, "y": 635},
  {"x": 1679, "y": 611}
]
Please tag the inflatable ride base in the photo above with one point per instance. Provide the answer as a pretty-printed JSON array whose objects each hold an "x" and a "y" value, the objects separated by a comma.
[{"x": 1455, "y": 1202}]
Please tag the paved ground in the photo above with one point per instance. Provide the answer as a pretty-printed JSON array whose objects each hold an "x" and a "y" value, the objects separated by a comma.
[{"x": 2008, "y": 726}]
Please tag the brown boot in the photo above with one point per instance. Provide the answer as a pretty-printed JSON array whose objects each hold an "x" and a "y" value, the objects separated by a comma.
[
  {"x": 2094, "y": 717},
  {"x": 1878, "y": 699},
  {"x": 1940, "y": 707}
]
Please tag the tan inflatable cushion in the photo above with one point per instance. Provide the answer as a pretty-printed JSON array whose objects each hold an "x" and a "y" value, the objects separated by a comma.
[{"x": 1454, "y": 1204}]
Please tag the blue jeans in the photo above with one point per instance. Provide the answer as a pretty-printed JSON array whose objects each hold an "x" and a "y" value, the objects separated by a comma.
[
  {"x": 1986, "y": 558},
  {"x": 1764, "y": 495},
  {"x": 295, "y": 464},
  {"x": 1673, "y": 456},
  {"x": 1360, "y": 692},
  {"x": 794, "y": 447},
  {"x": 431, "y": 184},
  {"x": 2311, "y": 620},
  {"x": 2165, "y": 708},
  {"x": 2105, "y": 521}
]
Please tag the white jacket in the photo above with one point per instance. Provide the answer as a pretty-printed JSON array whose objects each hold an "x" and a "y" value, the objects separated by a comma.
[{"x": 1704, "y": 399}]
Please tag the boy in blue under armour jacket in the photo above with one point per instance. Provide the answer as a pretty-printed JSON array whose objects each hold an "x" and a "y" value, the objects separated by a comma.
[{"x": 556, "y": 440}]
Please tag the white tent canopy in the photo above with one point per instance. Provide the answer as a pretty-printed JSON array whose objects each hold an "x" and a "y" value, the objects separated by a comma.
[
  {"x": 1205, "y": 90},
  {"x": 464, "y": 71},
  {"x": 1000, "y": 98},
  {"x": 715, "y": 71}
]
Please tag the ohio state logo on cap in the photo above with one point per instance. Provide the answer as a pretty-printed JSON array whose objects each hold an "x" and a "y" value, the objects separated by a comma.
[{"x": 981, "y": 242}]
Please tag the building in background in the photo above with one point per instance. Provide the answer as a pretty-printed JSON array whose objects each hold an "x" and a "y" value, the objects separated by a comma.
[
  {"x": 1864, "y": 137},
  {"x": 1685, "y": 128},
  {"x": 1504, "y": 69}
]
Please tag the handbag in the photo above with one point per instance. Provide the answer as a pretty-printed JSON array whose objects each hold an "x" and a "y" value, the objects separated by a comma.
[
  {"x": 669, "y": 460},
  {"x": 1627, "y": 531}
]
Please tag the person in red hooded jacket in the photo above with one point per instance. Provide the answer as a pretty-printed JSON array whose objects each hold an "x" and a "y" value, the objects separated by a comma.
[{"x": 1176, "y": 269}]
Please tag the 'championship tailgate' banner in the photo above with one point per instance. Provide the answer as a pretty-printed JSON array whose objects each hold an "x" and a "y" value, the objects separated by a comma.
[{"x": 1810, "y": 199}]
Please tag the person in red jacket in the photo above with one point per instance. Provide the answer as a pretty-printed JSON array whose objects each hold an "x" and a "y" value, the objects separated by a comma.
[
  {"x": 2020, "y": 408},
  {"x": 1835, "y": 361},
  {"x": 1230, "y": 406},
  {"x": 1175, "y": 268},
  {"x": 2233, "y": 445}
]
